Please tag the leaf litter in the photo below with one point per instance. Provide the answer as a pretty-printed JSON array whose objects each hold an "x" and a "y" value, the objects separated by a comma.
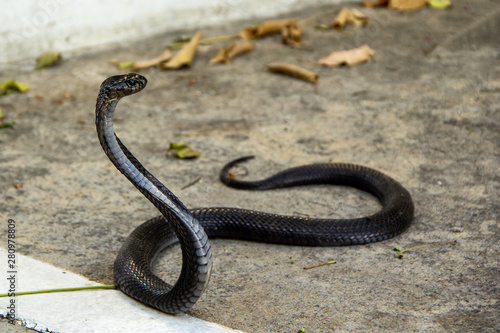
[
  {"x": 350, "y": 15},
  {"x": 227, "y": 53},
  {"x": 293, "y": 70},
  {"x": 184, "y": 57},
  {"x": 348, "y": 57},
  {"x": 408, "y": 4},
  {"x": 182, "y": 150},
  {"x": 48, "y": 59}
]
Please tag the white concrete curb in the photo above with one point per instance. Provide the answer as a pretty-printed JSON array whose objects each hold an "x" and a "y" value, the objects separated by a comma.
[{"x": 84, "y": 311}]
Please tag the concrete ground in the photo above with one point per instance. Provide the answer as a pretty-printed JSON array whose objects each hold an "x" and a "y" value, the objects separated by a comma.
[{"x": 426, "y": 111}]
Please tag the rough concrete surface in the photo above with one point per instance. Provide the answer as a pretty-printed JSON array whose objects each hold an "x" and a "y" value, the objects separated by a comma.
[{"x": 426, "y": 111}]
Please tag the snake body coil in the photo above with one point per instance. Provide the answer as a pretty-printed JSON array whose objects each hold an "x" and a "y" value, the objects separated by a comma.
[{"x": 192, "y": 228}]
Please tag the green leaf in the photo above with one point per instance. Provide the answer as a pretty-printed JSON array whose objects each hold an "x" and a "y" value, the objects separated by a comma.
[
  {"x": 6, "y": 124},
  {"x": 125, "y": 64},
  {"x": 48, "y": 59},
  {"x": 182, "y": 150},
  {"x": 439, "y": 4},
  {"x": 7, "y": 87}
]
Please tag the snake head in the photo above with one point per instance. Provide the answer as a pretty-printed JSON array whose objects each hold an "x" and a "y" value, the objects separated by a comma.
[{"x": 119, "y": 86}]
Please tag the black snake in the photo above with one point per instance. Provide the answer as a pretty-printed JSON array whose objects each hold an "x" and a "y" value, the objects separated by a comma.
[{"x": 193, "y": 227}]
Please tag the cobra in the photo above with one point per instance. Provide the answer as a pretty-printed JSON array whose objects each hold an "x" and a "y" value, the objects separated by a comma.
[{"x": 193, "y": 228}]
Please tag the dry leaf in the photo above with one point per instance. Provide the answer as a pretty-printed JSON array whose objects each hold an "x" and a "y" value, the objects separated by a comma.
[
  {"x": 439, "y": 4},
  {"x": 407, "y": 4},
  {"x": 136, "y": 65},
  {"x": 10, "y": 86},
  {"x": 291, "y": 35},
  {"x": 294, "y": 71},
  {"x": 185, "y": 56},
  {"x": 266, "y": 28},
  {"x": 350, "y": 15},
  {"x": 348, "y": 57},
  {"x": 376, "y": 3},
  {"x": 48, "y": 59},
  {"x": 226, "y": 54},
  {"x": 182, "y": 150}
]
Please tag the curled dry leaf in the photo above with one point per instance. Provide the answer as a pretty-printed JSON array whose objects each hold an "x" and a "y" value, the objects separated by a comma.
[
  {"x": 48, "y": 59},
  {"x": 185, "y": 56},
  {"x": 136, "y": 65},
  {"x": 291, "y": 35},
  {"x": 266, "y": 28},
  {"x": 407, "y": 4},
  {"x": 350, "y": 15},
  {"x": 226, "y": 54},
  {"x": 294, "y": 71},
  {"x": 348, "y": 57}
]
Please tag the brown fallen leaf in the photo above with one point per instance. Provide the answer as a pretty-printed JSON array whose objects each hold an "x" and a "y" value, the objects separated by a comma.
[
  {"x": 291, "y": 35},
  {"x": 376, "y": 3},
  {"x": 348, "y": 57},
  {"x": 137, "y": 65},
  {"x": 266, "y": 28},
  {"x": 185, "y": 56},
  {"x": 226, "y": 54},
  {"x": 407, "y": 4},
  {"x": 294, "y": 71},
  {"x": 350, "y": 15}
]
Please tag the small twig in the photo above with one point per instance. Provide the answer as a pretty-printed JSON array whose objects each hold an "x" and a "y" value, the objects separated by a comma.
[
  {"x": 45, "y": 291},
  {"x": 301, "y": 214},
  {"x": 400, "y": 253},
  {"x": 191, "y": 184},
  {"x": 218, "y": 39},
  {"x": 322, "y": 264}
]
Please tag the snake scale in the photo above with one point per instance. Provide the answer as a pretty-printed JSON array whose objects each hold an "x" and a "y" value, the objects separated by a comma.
[{"x": 192, "y": 228}]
